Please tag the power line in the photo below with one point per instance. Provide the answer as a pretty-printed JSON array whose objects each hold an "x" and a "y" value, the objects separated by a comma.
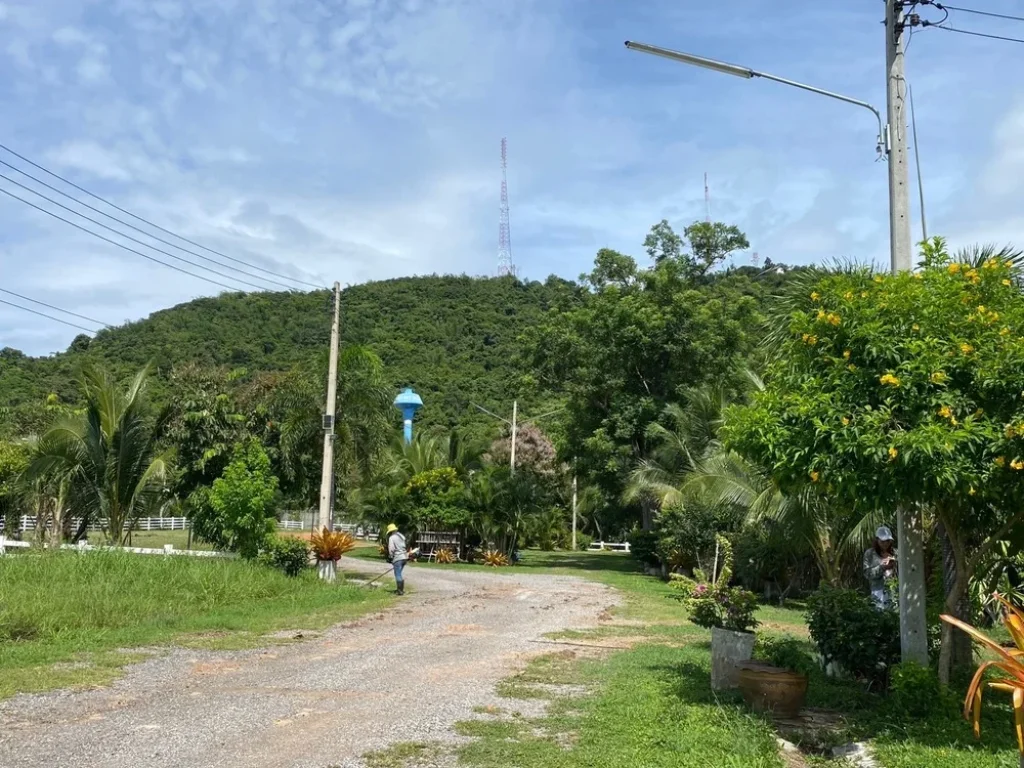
[
  {"x": 944, "y": 6},
  {"x": 150, "y": 223},
  {"x": 119, "y": 245},
  {"x": 129, "y": 237},
  {"x": 51, "y": 306},
  {"x": 48, "y": 317},
  {"x": 975, "y": 34},
  {"x": 142, "y": 231}
]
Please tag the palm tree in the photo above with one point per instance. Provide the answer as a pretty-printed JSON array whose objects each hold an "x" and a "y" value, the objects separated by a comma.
[{"x": 109, "y": 457}]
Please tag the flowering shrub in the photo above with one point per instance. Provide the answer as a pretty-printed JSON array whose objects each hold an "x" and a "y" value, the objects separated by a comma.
[{"x": 724, "y": 607}]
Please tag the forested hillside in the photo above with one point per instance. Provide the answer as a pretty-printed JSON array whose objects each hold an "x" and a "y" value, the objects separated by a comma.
[{"x": 452, "y": 338}]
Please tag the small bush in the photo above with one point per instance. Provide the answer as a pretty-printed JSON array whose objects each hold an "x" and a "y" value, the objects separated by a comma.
[
  {"x": 784, "y": 653},
  {"x": 848, "y": 630},
  {"x": 643, "y": 546},
  {"x": 915, "y": 690},
  {"x": 495, "y": 559},
  {"x": 287, "y": 554},
  {"x": 583, "y": 541},
  {"x": 331, "y": 545},
  {"x": 445, "y": 555},
  {"x": 724, "y": 607}
]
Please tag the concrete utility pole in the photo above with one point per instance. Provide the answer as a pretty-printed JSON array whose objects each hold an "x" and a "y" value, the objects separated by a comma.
[
  {"x": 910, "y": 531},
  {"x": 574, "y": 512},
  {"x": 515, "y": 426},
  {"x": 327, "y": 475}
]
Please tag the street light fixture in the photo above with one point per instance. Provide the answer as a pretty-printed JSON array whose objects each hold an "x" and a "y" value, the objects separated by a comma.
[{"x": 748, "y": 73}]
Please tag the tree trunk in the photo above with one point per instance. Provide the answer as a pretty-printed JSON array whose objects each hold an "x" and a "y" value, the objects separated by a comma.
[
  {"x": 647, "y": 509},
  {"x": 960, "y": 652},
  {"x": 953, "y": 600}
]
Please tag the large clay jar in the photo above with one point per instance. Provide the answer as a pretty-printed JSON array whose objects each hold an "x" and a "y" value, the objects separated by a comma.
[{"x": 771, "y": 690}]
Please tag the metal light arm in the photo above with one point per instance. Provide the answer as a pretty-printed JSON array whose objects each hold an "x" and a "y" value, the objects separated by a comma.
[
  {"x": 491, "y": 413},
  {"x": 748, "y": 73}
]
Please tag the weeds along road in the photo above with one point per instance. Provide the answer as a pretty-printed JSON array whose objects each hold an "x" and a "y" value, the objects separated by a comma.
[{"x": 405, "y": 675}]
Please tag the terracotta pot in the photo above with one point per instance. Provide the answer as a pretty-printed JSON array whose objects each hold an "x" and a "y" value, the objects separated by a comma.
[
  {"x": 769, "y": 689},
  {"x": 728, "y": 648}
]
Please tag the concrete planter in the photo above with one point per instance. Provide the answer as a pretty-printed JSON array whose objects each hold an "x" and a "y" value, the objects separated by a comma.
[
  {"x": 327, "y": 569},
  {"x": 728, "y": 648}
]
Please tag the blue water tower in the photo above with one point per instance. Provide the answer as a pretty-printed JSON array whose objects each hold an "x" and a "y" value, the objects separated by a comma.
[{"x": 408, "y": 402}]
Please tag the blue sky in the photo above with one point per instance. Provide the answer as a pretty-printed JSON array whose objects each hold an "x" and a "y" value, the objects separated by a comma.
[{"x": 359, "y": 140}]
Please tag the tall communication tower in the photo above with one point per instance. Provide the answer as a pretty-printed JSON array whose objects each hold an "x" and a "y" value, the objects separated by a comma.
[
  {"x": 707, "y": 199},
  {"x": 505, "y": 265}
]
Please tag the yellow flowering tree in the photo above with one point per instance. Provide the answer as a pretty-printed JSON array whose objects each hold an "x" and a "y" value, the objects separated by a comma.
[{"x": 892, "y": 390}]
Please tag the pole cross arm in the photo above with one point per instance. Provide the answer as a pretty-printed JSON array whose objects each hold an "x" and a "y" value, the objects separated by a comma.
[{"x": 748, "y": 73}]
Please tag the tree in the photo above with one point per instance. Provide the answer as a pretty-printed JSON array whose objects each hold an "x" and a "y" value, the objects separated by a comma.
[
  {"x": 109, "y": 457},
  {"x": 239, "y": 511},
  {"x": 712, "y": 243},
  {"x": 629, "y": 348},
  {"x": 533, "y": 450},
  {"x": 906, "y": 389},
  {"x": 14, "y": 459}
]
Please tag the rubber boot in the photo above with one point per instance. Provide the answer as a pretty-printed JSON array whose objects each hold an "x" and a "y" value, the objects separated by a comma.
[{"x": 401, "y": 588}]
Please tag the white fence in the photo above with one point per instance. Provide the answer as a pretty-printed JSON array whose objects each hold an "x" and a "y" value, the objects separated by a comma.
[
  {"x": 168, "y": 549},
  {"x": 610, "y": 546},
  {"x": 28, "y": 523}
]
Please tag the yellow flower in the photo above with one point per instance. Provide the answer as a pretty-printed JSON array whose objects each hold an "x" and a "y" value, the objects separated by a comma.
[
  {"x": 918, "y": 275},
  {"x": 993, "y": 317},
  {"x": 938, "y": 377},
  {"x": 953, "y": 268},
  {"x": 889, "y": 380},
  {"x": 991, "y": 264},
  {"x": 846, "y": 354},
  {"x": 863, "y": 294},
  {"x": 981, "y": 309},
  {"x": 815, "y": 295},
  {"x": 972, "y": 491},
  {"x": 1007, "y": 283},
  {"x": 821, "y": 314},
  {"x": 1017, "y": 465},
  {"x": 893, "y": 453},
  {"x": 966, "y": 348},
  {"x": 972, "y": 275},
  {"x": 814, "y": 476},
  {"x": 878, "y": 278},
  {"x": 846, "y": 422},
  {"x": 1004, "y": 332},
  {"x": 848, "y": 295},
  {"x": 812, "y": 340},
  {"x": 851, "y": 367},
  {"x": 1009, "y": 264},
  {"x": 916, "y": 327},
  {"x": 946, "y": 412},
  {"x": 1000, "y": 461},
  {"x": 1010, "y": 431},
  {"x": 833, "y": 318}
]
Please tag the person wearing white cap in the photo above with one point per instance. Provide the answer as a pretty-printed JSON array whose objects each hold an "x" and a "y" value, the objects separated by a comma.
[{"x": 880, "y": 566}]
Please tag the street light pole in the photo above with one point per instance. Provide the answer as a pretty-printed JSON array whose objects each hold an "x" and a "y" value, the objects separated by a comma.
[{"x": 893, "y": 144}]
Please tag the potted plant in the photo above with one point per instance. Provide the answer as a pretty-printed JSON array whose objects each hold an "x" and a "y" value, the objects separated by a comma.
[
  {"x": 328, "y": 547},
  {"x": 729, "y": 613},
  {"x": 775, "y": 681}
]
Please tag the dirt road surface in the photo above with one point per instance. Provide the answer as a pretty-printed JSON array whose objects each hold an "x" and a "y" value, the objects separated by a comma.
[{"x": 406, "y": 675}]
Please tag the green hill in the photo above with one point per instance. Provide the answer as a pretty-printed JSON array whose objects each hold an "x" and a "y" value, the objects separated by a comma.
[{"x": 454, "y": 339}]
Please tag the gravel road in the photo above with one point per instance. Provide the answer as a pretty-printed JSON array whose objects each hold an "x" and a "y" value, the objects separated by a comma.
[{"x": 405, "y": 675}]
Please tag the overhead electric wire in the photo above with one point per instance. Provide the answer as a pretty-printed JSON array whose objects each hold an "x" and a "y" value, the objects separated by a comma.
[
  {"x": 93, "y": 195},
  {"x": 977, "y": 34},
  {"x": 51, "y": 306},
  {"x": 114, "y": 242},
  {"x": 976, "y": 11},
  {"x": 129, "y": 237},
  {"x": 48, "y": 317},
  {"x": 142, "y": 231}
]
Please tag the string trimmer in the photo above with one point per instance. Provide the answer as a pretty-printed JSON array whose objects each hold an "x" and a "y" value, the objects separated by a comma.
[{"x": 412, "y": 554}]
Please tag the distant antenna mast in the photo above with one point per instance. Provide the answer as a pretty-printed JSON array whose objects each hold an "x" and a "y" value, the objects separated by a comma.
[
  {"x": 505, "y": 265},
  {"x": 755, "y": 259},
  {"x": 707, "y": 199}
]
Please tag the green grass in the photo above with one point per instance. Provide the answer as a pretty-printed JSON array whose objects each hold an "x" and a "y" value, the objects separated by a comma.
[
  {"x": 65, "y": 618},
  {"x": 652, "y": 705}
]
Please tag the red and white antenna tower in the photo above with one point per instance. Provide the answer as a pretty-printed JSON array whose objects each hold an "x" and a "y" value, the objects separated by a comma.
[
  {"x": 505, "y": 265},
  {"x": 707, "y": 199}
]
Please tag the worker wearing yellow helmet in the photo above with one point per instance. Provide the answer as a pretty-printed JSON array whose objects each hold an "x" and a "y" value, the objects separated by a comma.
[{"x": 398, "y": 554}]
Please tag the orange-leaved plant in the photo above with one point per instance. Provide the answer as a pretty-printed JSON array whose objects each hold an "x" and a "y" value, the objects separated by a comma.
[
  {"x": 331, "y": 545},
  {"x": 1010, "y": 663}
]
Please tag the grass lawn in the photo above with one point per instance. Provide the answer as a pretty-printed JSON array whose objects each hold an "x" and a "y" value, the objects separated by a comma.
[
  {"x": 652, "y": 705},
  {"x": 68, "y": 618}
]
